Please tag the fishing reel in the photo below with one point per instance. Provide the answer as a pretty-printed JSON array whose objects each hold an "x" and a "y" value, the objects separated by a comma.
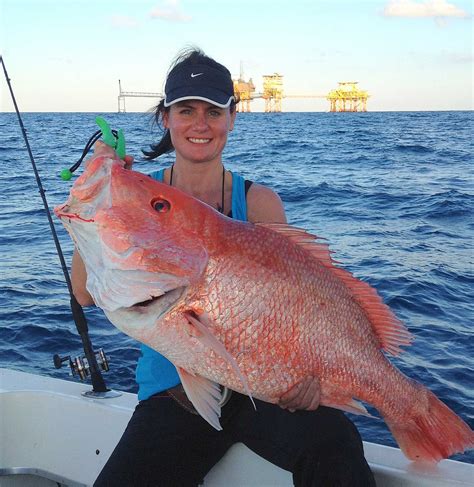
[{"x": 80, "y": 365}]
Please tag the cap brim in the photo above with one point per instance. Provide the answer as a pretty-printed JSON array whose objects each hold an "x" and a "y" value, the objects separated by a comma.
[{"x": 220, "y": 104}]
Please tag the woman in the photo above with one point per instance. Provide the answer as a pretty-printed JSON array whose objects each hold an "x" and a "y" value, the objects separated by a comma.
[{"x": 166, "y": 442}]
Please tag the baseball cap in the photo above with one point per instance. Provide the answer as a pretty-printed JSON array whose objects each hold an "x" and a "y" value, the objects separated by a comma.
[{"x": 199, "y": 82}]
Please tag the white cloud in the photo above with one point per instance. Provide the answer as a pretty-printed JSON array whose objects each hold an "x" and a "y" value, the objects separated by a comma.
[
  {"x": 123, "y": 21},
  {"x": 170, "y": 10},
  {"x": 428, "y": 8}
]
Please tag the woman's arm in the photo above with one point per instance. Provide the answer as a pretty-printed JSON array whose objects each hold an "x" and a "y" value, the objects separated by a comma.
[
  {"x": 78, "y": 280},
  {"x": 265, "y": 206}
]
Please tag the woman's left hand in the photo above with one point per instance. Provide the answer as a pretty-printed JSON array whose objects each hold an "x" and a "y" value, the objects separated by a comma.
[
  {"x": 304, "y": 395},
  {"x": 128, "y": 162},
  {"x": 102, "y": 148}
]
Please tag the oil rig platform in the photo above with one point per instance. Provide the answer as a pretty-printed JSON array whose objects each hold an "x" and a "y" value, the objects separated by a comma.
[
  {"x": 273, "y": 93},
  {"x": 347, "y": 97},
  {"x": 246, "y": 92}
]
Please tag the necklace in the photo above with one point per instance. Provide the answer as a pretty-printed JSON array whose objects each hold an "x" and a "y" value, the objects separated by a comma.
[{"x": 220, "y": 208}]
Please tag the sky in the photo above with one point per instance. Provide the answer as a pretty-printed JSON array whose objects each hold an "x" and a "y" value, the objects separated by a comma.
[{"x": 68, "y": 55}]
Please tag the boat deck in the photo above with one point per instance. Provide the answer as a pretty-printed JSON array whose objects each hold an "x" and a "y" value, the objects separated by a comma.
[{"x": 51, "y": 434}]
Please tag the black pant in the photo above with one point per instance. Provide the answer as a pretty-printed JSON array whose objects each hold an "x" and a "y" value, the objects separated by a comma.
[{"x": 165, "y": 445}]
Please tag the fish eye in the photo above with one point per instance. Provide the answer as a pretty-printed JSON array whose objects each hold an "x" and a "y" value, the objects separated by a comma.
[{"x": 161, "y": 205}]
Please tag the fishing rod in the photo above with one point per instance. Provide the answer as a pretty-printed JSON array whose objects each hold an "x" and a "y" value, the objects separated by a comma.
[{"x": 89, "y": 364}]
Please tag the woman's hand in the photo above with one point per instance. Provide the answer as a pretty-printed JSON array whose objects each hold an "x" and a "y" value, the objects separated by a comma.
[
  {"x": 304, "y": 395},
  {"x": 101, "y": 148},
  {"x": 128, "y": 162}
]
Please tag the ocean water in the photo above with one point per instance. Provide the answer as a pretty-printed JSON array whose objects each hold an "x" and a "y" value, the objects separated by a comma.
[{"x": 392, "y": 192}]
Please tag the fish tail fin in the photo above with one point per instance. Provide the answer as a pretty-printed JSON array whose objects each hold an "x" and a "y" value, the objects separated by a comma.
[{"x": 433, "y": 433}]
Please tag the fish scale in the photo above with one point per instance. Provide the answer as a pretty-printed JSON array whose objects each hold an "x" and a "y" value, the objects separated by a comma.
[
  {"x": 254, "y": 307},
  {"x": 239, "y": 296}
]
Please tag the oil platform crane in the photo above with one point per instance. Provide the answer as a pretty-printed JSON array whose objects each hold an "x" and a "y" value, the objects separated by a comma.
[{"x": 348, "y": 98}]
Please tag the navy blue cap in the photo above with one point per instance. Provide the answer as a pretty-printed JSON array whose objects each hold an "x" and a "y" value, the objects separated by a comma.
[{"x": 199, "y": 82}]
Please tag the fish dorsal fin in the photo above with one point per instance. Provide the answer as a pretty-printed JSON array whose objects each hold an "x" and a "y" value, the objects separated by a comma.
[{"x": 390, "y": 331}]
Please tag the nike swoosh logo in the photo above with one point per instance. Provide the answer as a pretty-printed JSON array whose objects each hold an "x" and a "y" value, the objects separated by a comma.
[{"x": 194, "y": 75}]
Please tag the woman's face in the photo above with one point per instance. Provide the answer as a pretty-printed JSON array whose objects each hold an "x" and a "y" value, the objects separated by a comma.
[{"x": 198, "y": 129}]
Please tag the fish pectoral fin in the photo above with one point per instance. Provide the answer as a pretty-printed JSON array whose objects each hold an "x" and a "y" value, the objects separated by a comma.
[
  {"x": 203, "y": 324},
  {"x": 334, "y": 396},
  {"x": 205, "y": 396}
]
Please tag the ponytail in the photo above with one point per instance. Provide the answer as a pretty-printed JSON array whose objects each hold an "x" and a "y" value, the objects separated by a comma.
[{"x": 164, "y": 146}]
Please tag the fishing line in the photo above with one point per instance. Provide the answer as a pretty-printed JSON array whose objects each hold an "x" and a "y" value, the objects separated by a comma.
[
  {"x": 67, "y": 173},
  {"x": 98, "y": 383},
  {"x": 87, "y": 148}
]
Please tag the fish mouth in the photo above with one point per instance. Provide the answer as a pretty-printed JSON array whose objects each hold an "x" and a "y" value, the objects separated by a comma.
[
  {"x": 162, "y": 303},
  {"x": 143, "y": 316},
  {"x": 148, "y": 302}
]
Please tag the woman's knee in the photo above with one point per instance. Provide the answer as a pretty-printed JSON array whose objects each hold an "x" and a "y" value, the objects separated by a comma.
[
  {"x": 334, "y": 465},
  {"x": 334, "y": 454}
]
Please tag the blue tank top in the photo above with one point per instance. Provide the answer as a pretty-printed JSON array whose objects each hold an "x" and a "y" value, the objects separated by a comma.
[{"x": 155, "y": 373}]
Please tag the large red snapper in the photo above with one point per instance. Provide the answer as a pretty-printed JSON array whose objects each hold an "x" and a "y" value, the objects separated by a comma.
[{"x": 254, "y": 307}]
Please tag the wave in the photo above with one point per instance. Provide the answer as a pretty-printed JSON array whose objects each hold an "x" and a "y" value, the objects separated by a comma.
[
  {"x": 450, "y": 204},
  {"x": 417, "y": 148}
]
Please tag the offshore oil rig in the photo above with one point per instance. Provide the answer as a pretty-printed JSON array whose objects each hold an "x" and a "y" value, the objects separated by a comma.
[
  {"x": 347, "y": 97},
  {"x": 272, "y": 92}
]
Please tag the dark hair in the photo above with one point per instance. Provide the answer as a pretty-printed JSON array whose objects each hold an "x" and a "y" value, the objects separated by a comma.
[{"x": 189, "y": 56}]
